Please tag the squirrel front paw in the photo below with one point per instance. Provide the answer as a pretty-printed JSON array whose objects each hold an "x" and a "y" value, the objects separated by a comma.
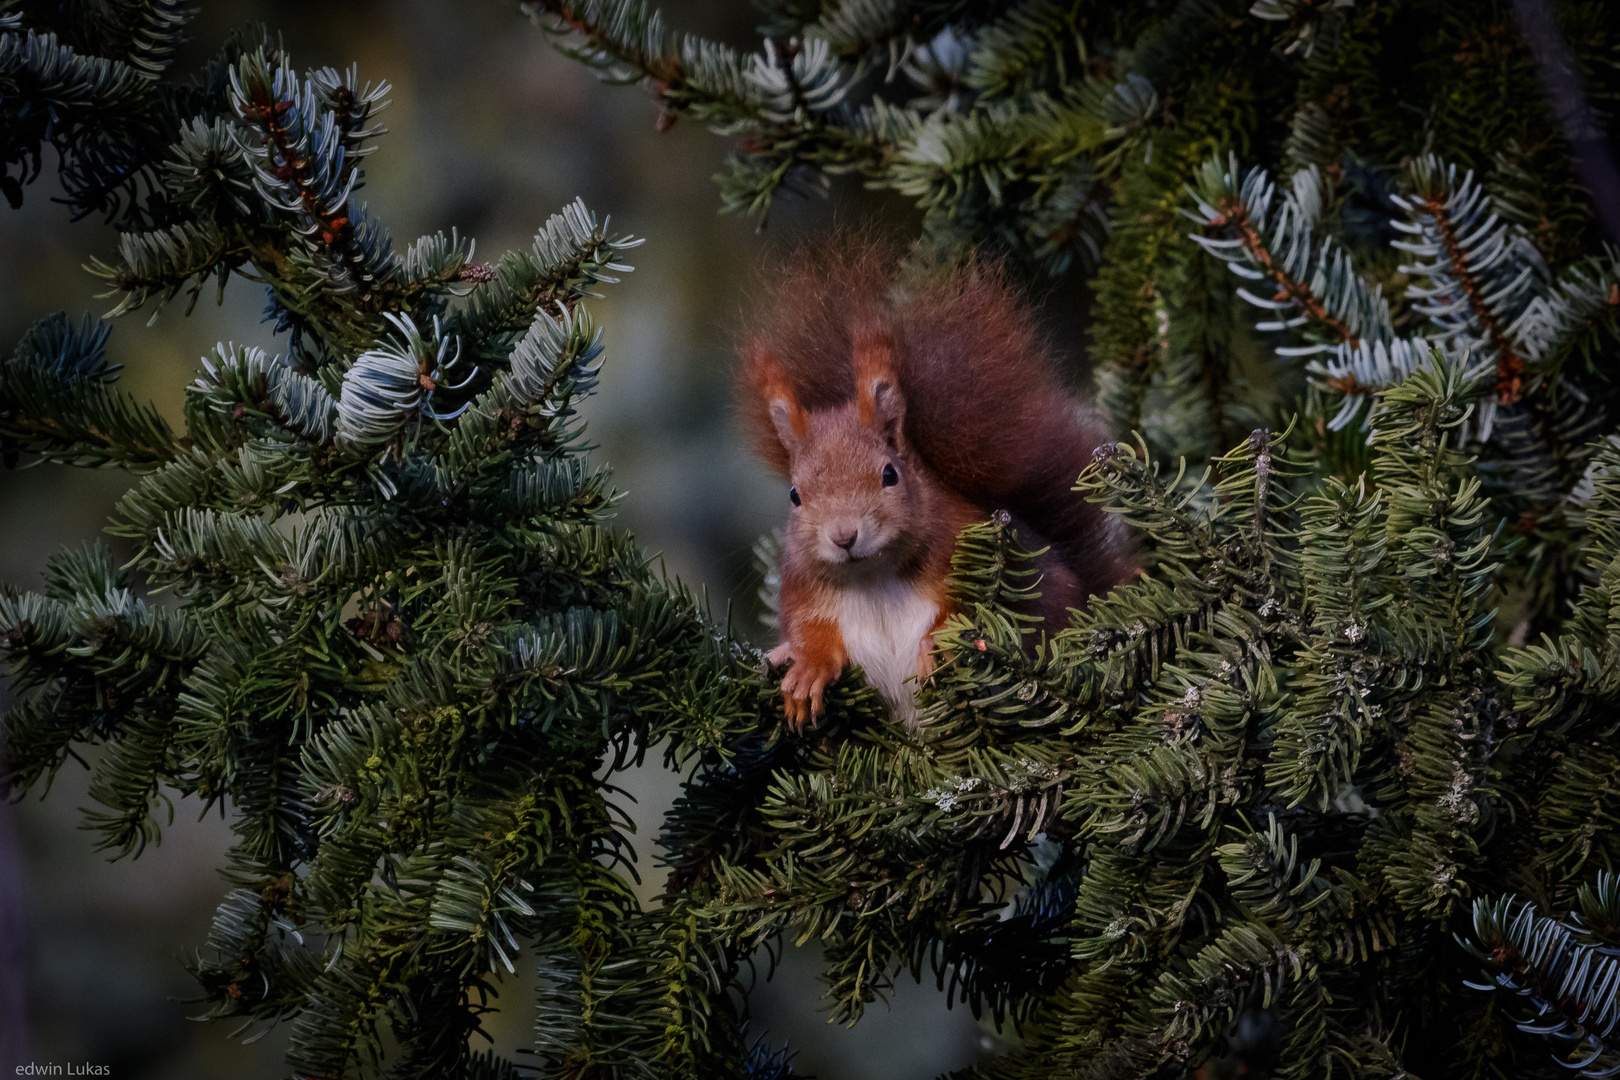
[{"x": 803, "y": 685}]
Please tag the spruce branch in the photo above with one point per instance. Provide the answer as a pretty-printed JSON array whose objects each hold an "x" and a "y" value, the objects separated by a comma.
[
  {"x": 571, "y": 253},
  {"x": 143, "y": 33},
  {"x": 1575, "y": 319},
  {"x": 405, "y": 651},
  {"x": 1567, "y": 983},
  {"x": 57, "y": 402},
  {"x": 161, "y": 263},
  {"x": 53, "y": 94},
  {"x": 1033, "y": 46},
  {"x": 1282, "y": 250},
  {"x": 1480, "y": 269},
  {"x": 242, "y": 389}
]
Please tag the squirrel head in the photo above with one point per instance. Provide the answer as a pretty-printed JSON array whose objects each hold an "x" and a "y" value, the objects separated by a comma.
[{"x": 859, "y": 493}]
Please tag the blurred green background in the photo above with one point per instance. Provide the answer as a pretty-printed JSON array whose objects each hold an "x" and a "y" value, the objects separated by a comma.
[{"x": 494, "y": 131}]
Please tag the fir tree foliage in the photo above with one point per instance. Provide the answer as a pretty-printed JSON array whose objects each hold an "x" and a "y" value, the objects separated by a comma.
[
  {"x": 1291, "y": 770},
  {"x": 1563, "y": 971},
  {"x": 375, "y": 613},
  {"x": 1337, "y": 765}
]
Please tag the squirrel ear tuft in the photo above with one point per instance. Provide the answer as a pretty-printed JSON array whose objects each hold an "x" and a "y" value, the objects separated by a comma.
[
  {"x": 788, "y": 418},
  {"x": 877, "y": 390},
  {"x": 883, "y": 408}
]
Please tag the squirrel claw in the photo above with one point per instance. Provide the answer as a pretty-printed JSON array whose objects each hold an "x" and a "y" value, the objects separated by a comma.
[
  {"x": 803, "y": 689},
  {"x": 779, "y": 655}
]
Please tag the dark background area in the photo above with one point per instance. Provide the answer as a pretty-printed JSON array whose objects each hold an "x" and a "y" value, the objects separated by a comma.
[{"x": 494, "y": 132}]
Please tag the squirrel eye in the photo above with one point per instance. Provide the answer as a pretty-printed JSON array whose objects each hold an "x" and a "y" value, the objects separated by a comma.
[
  {"x": 890, "y": 477},
  {"x": 793, "y": 493}
]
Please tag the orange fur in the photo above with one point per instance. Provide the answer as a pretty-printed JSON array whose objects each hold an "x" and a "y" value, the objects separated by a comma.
[{"x": 945, "y": 380}]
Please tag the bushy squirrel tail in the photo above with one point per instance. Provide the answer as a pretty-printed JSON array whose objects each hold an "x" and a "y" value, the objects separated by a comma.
[{"x": 985, "y": 405}]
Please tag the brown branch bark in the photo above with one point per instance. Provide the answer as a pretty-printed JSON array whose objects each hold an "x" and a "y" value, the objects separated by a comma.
[
  {"x": 1509, "y": 364},
  {"x": 1235, "y": 214}
]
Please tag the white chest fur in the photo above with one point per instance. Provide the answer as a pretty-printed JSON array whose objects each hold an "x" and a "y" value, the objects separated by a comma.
[{"x": 883, "y": 626}]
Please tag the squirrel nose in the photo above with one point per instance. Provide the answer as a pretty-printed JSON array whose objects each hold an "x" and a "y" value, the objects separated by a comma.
[{"x": 846, "y": 540}]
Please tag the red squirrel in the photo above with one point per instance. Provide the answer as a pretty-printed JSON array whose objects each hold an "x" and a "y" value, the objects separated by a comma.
[{"x": 899, "y": 415}]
